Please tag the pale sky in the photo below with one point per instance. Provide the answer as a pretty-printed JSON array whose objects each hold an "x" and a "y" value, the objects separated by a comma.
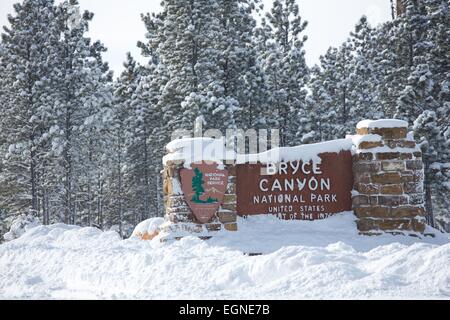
[{"x": 118, "y": 25}]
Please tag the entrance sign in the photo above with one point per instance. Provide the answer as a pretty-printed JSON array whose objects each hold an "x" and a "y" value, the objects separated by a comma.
[
  {"x": 204, "y": 187},
  {"x": 296, "y": 190},
  {"x": 377, "y": 173}
]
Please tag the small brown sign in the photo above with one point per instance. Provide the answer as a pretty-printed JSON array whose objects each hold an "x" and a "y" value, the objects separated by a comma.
[
  {"x": 296, "y": 190},
  {"x": 204, "y": 187}
]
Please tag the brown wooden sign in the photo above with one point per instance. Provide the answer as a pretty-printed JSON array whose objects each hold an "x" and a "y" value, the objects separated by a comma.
[
  {"x": 296, "y": 190},
  {"x": 204, "y": 187}
]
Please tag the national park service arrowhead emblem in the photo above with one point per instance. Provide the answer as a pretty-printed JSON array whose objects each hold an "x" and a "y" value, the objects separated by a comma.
[{"x": 204, "y": 187}]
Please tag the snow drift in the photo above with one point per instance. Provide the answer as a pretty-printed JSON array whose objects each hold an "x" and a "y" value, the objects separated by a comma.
[{"x": 300, "y": 260}]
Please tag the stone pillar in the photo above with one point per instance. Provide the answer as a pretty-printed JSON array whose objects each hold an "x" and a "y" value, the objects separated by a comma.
[
  {"x": 180, "y": 221},
  {"x": 388, "y": 172},
  {"x": 227, "y": 214}
]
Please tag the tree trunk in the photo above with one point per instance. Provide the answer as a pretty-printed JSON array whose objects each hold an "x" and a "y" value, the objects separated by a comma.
[
  {"x": 400, "y": 7},
  {"x": 158, "y": 196},
  {"x": 34, "y": 199},
  {"x": 119, "y": 168},
  {"x": 428, "y": 199},
  {"x": 393, "y": 10},
  {"x": 344, "y": 105},
  {"x": 429, "y": 206},
  {"x": 147, "y": 188},
  {"x": 99, "y": 203}
]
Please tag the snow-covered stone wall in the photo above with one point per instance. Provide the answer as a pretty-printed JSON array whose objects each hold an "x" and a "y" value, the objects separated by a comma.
[
  {"x": 387, "y": 173},
  {"x": 388, "y": 179}
]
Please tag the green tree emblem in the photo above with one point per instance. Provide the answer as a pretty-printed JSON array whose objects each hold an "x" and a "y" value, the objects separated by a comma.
[{"x": 197, "y": 186}]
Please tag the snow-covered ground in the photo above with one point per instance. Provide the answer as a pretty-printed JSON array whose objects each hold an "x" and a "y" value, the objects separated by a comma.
[{"x": 301, "y": 260}]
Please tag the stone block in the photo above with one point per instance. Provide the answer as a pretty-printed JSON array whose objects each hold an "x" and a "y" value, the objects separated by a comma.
[
  {"x": 393, "y": 165},
  {"x": 363, "y": 156},
  {"x": 192, "y": 227},
  {"x": 408, "y": 144},
  {"x": 388, "y": 155},
  {"x": 414, "y": 165},
  {"x": 418, "y": 226},
  {"x": 368, "y": 224},
  {"x": 370, "y": 144},
  {"x": 363, "y": 167},
  {"x": 229, "y": 199},
  {"x": 372, "y": 212},
  {"x": 180, "y": 209},
  {"x": 367, "y": 188},
  {"x": 362, "y": 131},
  {"x": 180, "y": 217},
  {"x": 229, "y": 207},
  {"x": 406, "y": 156},
  {"x": 360, "y": 200},
  {"x": 390, "y": 133},
  {"x": 227, "y": 216},
  {"x": 213, "y": 227},
  {"x": 413, "y": 187},
  {"x": 362, "y": 177},
  {"x": 392, "y": 201},
  {"x": 373, "y": 200},
  {"x": 407, "y": 212},
  {"x": 387, "y": 178},
  {"x": 231, "y": 227},
  {"x": 400, "y": 144},
  {"x": 391, "y": 189},
  {"x": 175, "y": 201},
  {"x": 412, "y": 176},
  {"x": 174, "y": 163}
]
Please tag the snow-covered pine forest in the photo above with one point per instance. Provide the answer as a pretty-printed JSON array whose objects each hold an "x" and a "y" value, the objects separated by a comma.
[{"x": 81, "y": 146}]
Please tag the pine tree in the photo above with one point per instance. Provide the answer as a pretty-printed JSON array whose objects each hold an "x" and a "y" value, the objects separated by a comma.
[
  {"x": 119, "y": 135},
  {"x": 417, "y": 93},
  {"x": 28, "y": 77},
  {"x": 148, "y": 138},
  {"x": 331, "y": 93},
  {"x": 240, "y": 90},
  {"x": 185, "y": 46},
  {"x": 436, "y": 176},
  {"x": 54, "y": 114},
  {"x": 286, "y": 69},
  {"x": 420, "y": 100},
  {"x": 319, "y": 99},
  {"x": 364, "y": 79},
  {"x": 84, "y": 100}
]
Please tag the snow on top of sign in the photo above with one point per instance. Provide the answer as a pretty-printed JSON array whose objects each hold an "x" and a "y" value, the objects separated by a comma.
[
  {"x": 382, "y": 123},
  {"x": 358, "y": 139},
  {"x": 206, "y": 149},
  {"x": 191, "y": 150},
  {"x": 190, "y": 158},
  {"x": 305, "y": 153},
  {"x": 184, "y": 143}
]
